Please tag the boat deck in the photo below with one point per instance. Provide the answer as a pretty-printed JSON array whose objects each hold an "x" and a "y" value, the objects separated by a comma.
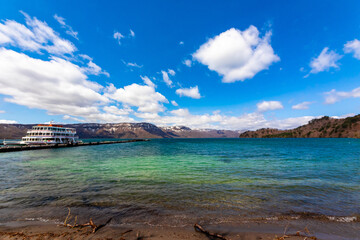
[{"x": 38, "y": 147}]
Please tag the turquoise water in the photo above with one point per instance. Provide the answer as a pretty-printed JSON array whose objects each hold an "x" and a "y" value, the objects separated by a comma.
[{"x": 179, "y": 181}]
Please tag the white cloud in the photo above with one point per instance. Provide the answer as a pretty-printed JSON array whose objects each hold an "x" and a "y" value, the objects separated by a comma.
[
  {"x": 145, "y": 98},
  {"x": 94, "y": 69},
  {"x": 68, "y": 28},
  {"x": 237, "y": 55},
  {"x": 289, "y": 123},
  {"x": 130, "y": 64},
  {"x": 147, "y": 81},
  {"x": 302, "y": 106},
  {"x": 149, "y": 116},
  {"x": 58, "y": 86},
  {"x": 132, "y": 34},
  {"x": 171, "y": 72},
  {"x": 117, "y": 111},
  {"x": 181, "y": 43},
  {"x": 174, "y": 103},
  {"x": 63, "y": 88},
  {"x": 187, "y": 62},
  {"x": 68, "y": 117},
  {"x": 2, "y": 121},
  {"x": 353, "y": 47},
  {"x": 108, "y": 118},
  {"x": 247, "y": 121},
  {"x": 86, "y": 57},
  {"x": 2, "y": 111},
  {"x": 334, "y": 96},
  {"x": 166, "y": 78},
  {"x": 118, "y": 36},
  {"x": 326, "y": 60},
  {"x": 35, "y": 36},
  {"x": 344, "y": 116},
  {"x": 192, "y": 92},
  {"x": 269, "y": 105}
]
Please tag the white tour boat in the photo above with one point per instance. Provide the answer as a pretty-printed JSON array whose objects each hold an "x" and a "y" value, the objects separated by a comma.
[{"x": 50, "y": 134}]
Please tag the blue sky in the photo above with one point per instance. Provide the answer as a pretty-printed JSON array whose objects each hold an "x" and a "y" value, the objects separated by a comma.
[{"x": 205, "y": 64}]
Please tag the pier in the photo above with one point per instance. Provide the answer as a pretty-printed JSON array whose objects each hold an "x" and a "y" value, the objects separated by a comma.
[{"x": 50, "y": 146}]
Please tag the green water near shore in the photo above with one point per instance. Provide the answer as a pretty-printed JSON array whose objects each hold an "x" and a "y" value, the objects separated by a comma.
[{"x": 185, "y": 179}]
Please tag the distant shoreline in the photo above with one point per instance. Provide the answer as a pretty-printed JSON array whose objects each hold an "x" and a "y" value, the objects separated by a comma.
[{"x": 324, "y": 127}]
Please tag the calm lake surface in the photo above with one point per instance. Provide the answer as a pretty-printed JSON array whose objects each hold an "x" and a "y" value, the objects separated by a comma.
[{"x": 180, "y": 181}]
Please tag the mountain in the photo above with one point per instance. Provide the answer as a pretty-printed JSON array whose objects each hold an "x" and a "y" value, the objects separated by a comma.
[
  {"x": 325, "y": 127},
  {"x": 123, "y": 130}
]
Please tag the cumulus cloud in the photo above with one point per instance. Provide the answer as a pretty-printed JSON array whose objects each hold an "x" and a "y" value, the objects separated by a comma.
[
  {"x": 237, "y": 55},
  {"x": 61, "y": 87},
  {"x": 145, "y": 98},
  {"x": 174, "y": 103},
  {"x": 302, "y": 106},
  {"x": 117, "y": 111},
  {"x": 344, "y": 116},
  {"x": 36, "y": 36},
  {"x": 57, "y": 85},
  {"x": 108, "y": 118},
  {"x": 118, "y": 36},
  {"x": 68, "y": 28},
  {"x": 187, "y": 62},
  {"x": 68, "y": 117},
  {"x": 247, "y": 121},
  {"x": 269, "y": 105},
  {"x": 3, "y": 121},
  {"x": 335, "y": 96},
  {"x": 147, "y": 81},
  {"x": 326, "y": 60},
  {"x": 192, "y": 92},
  {"x": 353, "y": 47}
]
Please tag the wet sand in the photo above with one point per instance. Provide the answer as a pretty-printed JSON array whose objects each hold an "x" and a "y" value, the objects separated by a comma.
[{"x": 243, "y": 231}]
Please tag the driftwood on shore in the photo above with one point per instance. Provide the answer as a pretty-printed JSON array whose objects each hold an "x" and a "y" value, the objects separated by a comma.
[
  {"x": 304, "y": 233},
  {"x": 91, "y": 224},
  {"x": 210, "y": 235}
]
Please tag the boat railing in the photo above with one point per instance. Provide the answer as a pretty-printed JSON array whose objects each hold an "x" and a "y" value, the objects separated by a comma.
[
  {"x": 10, "y": 142},
  {"x": 49, "y": 131}
]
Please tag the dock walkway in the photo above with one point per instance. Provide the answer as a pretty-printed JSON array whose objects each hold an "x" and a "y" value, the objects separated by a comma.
[{"x": 38, "y": 147}]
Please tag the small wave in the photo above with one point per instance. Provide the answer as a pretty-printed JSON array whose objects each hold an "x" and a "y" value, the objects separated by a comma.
[
  {"x": 315, "y": 216},
  {"x": 344, "y": 219},
  {"x": 40, "y": 219}
]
